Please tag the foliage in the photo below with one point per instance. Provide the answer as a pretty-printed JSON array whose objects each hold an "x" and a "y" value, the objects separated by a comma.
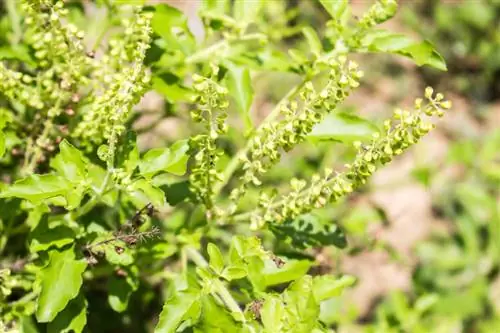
[
  {"x": 194, "y": 235},
  {"x": 468, "y": 33}
]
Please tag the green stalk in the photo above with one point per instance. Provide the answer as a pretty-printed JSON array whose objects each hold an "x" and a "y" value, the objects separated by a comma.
[{"x": 236, "y": 160}]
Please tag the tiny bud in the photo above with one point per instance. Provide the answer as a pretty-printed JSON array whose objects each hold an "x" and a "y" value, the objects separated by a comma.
[
  {"x": 69, "y": 111},
  {"x": 91, "y": 54},
  {"x": 446, "y": 105},
  {"x": 418, "y": 103},
  {"x": 75, "y": 98},
  {"x": 428, "y": 92}
]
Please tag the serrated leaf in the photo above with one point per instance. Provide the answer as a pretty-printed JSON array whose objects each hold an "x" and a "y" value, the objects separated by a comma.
[
  {"x": 172, "y": 160},
  {"x": 292, "y": 270},
  {"x": 72, "y": 319},
  {"x": 69, "y": 162},
  {"x": 313, "y": 40},
  {"x": 239, "y": 84},
  {"x": 170, "y": 86},
  {"x": 42, "y": 237},
  {"x": 172, "y": 26},
  {"x": 182, "y": 307},
  {"x": 148, "y": 193},
  {"x": 216, "y": 260},
  {"x": 120, "y": 288},
  {"x": 37, "y": 188},
  {"x": 328, "y": 286},
  {"x": 60, "y": 282},
  {"x": 342, "y": 127},
  {"x": 309, "y": 231}
]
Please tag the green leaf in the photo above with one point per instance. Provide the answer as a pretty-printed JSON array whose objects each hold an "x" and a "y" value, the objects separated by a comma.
[
  {"x": 272, "y": 314},
  {"x": 72, "y": 319},
  {"x": 292, "y": 270},
  {"x": 183, "y": 306},
  {"x": 313, "y": 40},
  {"x": 268, "y": 59},
  {"x": 142, "y": 192},
  {"x": 37, "y": 188},
  {"x": 43, "y": 237},
  {"x": 240, "y": 88},
  {"x": 19, "y": 52},
  {"x": 27, "y": 325},
  {"x": 309, "y": 231},
  {"x": 172, "y": 160},
  {"x": 128, "y": 155},
  {"x": 234, "y": 273},
  {"x": 70, "y": 162},
  {"x": 385, "y": 41},
  {"x": 60, "y": 282},
  {"x": 216, "y": 260},
  {"x": 328, "y": 286},
  {"x": 172, "y": 26},
  {"x": 302, "y": 307},
  {"x": 342, "y": 127},
  {"x": 170, "y": 86},
  {"x": 336, "y": 8},
  {"x": 121, "y": 287},
  {"x": 422, "y": 53},
  {"x": 215, "y": 318},
  {"x": 118, "y": 253}
]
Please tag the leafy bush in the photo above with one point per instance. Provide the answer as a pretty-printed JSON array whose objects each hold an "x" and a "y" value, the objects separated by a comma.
[{"x": 197, "y": 235}]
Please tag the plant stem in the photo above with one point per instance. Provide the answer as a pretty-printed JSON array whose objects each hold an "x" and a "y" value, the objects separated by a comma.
[
  {"x": 220, "y": 45},
  {"x": 236, "y": 160},
  {"x": 220, "y": 288},
  {"x": 204, "y": 53}
]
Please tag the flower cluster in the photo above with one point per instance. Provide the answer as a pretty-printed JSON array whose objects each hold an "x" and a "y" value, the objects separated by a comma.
[
  {"x": 16, "y": 86},
  {"x": 380, "y": 12},
  {"x": 59, "y": 51},
  {"x": 123, "y": 86},
  {"x": 299, "y": 119},
  {"x": 211, "y": 100},
  {"x": 402, "y": 131}
]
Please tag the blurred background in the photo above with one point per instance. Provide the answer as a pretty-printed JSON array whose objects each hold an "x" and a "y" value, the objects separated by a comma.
[{"x": 425, "y": 233}]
